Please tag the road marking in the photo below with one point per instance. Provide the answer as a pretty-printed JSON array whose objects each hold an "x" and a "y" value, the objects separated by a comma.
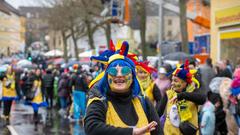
[{"x": 12, "y": 130}]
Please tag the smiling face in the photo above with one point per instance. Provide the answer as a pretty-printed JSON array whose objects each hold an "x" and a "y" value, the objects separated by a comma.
[
  {"x": 120, "y": 79},
  {"x": 178, "y": 84},
  {"x": 142, "y": 75}
]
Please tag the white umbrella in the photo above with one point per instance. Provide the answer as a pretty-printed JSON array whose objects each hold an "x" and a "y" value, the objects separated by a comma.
[
  {"x": 86, "y": 54},
  {"x": 24, "y": 63},
  {"x": 53, "y": 53},
  {"x": 3, "y": 68}
]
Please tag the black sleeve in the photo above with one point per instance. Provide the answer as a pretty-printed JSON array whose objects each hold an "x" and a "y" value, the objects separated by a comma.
[
  {"x": 43, "y": 81},
  {"x": 43, "y": 88},
  {"x": 229, "y": 73},
  {"x": 196, "y": 96},
  {"x": 162, "y": 105},
  {"x": 71, "y": 81},
  {"x": 198, "y": 76},
  {"x": 94, "y": 92},
  {"x": 156, "y": 95},
  {"x": 153, "y": 116},
  {"x": 24, "y": 78},
  {"x": 95, "y": 124},
  {"x": 84, "y": 84}
]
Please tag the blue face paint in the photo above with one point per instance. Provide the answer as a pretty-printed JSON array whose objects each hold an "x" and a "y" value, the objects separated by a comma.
[{"x": 110, "y": 81}]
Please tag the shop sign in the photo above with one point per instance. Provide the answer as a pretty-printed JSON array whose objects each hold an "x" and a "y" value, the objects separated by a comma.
[{"x": 229, "y": 16}]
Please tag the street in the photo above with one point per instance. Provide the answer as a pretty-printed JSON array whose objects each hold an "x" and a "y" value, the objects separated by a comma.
[{"x": 21, "y": 123}]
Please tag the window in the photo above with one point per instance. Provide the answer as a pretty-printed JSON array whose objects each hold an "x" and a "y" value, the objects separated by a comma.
[
  {"x": 169, "y": 34},
  {"x": 28, "y": 25},
  {"x": 37, "y": 15},
  {"x": 229, "y": 45},
  {"x": 28, "y": 15},
  {"x": 169, "y": 22}
]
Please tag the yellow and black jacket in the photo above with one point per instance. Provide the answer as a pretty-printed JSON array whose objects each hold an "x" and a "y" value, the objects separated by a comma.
[
  {"x": 191, "y": 115},
  {"x": 118, "y": 115},
  {"x": 9, "y": 90}
]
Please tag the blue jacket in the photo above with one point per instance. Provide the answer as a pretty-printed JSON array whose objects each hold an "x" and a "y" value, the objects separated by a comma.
[{"x": 208, "y": 119}]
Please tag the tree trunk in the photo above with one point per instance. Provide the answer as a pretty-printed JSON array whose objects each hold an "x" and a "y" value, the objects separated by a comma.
[
  {"x": 142, "y": 16},
  {"x": 108, "y": 34},
  {"x": 65, "y": 55},
  {"x": 90, "y": 34},
  {"x": 75, "y": 44},
  {"x": 183, "y": 24}
]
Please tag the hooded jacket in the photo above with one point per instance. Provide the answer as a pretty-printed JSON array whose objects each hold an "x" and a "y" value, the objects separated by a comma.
[{"x": 208, "y": 119}]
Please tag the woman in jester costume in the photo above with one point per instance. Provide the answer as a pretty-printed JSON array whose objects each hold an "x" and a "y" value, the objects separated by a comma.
[
  {"x": 120, "y": 111},
  {"x": 148, "y": 86},
  {"x": 181, "y": 102},
  {"x": 37, "y": 101},
  {"x": 9, "y": 92}
]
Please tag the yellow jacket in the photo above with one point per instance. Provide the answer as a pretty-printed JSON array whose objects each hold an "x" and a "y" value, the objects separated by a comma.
[
  {"x": 9, "y": 91},
  {"x": 169, "y": 128},
  {"x": 113, "y": 119},
  {"x": 38, "y": 98}
]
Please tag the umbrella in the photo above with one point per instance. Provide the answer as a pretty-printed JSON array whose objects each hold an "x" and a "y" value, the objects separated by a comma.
[
  {"x": 71, "y": 63},
  {"x": 179, "y": 56},
  {"x": 53, "y": 53},
  {"x": 24, "y": 64},
  {"x": 6, "y": 61},
  {"x": 58, "y": 61},
  {"x": 86, "y": 54},
  {"x": 3, "y": 68}
]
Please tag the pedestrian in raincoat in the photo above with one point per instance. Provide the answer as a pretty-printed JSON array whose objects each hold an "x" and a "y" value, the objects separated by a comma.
[
  {"x": 9, "y": 92},
  {"x": 79, "y": 95},
  {"x": 208, "y": 119},
  {"x": 63, "y": 93}
]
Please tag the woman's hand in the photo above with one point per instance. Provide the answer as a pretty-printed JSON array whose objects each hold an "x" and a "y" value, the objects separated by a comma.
[
  {"x": 141, "y": 131},
  {"x": 174, "y": 100}
]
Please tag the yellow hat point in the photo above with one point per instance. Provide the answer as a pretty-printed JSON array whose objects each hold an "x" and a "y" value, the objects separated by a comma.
[{"x": 119, "y": 44}]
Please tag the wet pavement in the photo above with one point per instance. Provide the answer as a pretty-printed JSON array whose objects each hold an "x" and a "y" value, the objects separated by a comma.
[{"x": 51, "y": 123}]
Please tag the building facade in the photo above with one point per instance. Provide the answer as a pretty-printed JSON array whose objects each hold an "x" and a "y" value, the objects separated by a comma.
[
  {"x": 11, "y": 29},
  {"x": 36, "y": 24},
  {"x": 225, "y": 30},
  {"x": 200, "y": 8}
]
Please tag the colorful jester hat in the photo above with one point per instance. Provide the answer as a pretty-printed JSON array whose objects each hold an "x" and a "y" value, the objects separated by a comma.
[
  {"x": 119, "y": 58},
  {"x": 103, "y": 58},
  {"x": 144, "y": 65},
  {"x": 184, "y": 73}
]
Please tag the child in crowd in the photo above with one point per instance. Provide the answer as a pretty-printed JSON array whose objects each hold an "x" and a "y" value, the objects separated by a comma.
[{"x": 208, "y": 119}]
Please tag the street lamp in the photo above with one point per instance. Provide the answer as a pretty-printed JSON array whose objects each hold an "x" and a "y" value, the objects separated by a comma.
[{"x": 160, "y": 33}]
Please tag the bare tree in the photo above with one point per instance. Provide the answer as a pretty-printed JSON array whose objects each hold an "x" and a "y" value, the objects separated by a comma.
[
  {"x": 183, "y": 24},
  {"x": 141, "y": 10},
  {"x": 56, "y": 23},
  {"x": 79, "y": 18}
]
